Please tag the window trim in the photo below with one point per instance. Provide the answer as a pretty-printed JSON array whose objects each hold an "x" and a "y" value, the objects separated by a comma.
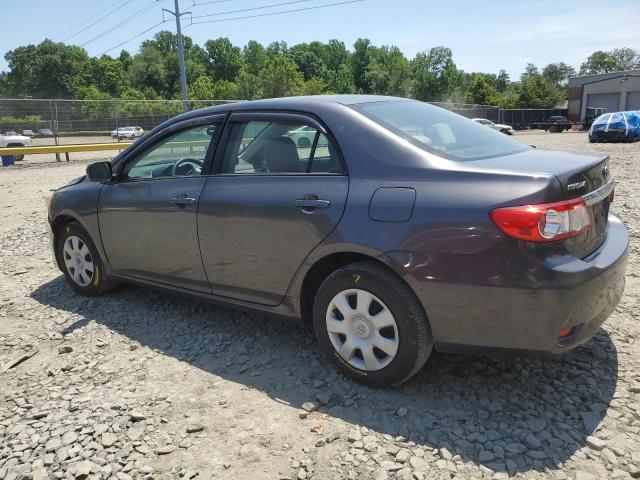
[
  {"x": 301, "y": 118},
  {"x": 154, "y": 140}
]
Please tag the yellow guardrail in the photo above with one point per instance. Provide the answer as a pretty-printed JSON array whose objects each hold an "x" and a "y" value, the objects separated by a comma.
[{"x": 90, "y": 147}]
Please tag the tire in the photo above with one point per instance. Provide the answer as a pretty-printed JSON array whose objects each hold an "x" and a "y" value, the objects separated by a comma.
[
  {"x": 592, "y": 140},
  {"x": 76, "y": 251},
  {"x": 365, "y": 283},
  {"x": 304, "y": 142}
]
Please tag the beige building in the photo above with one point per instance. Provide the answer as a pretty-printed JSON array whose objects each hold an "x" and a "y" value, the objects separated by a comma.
[{"x": 615, "y": 92}]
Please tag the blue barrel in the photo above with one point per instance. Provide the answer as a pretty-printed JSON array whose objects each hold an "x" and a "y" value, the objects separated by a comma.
[{"x": 7, "y": 160}]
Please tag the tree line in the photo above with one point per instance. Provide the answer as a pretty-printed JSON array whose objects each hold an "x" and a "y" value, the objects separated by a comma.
[{"x": 221, "y": 70}]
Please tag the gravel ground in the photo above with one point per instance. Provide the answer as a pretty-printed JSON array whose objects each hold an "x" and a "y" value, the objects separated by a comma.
[{"x": 140, "y": 384}]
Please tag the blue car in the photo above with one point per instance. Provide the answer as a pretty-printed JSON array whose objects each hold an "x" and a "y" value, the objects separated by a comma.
[{"x": 616, "y": 127}]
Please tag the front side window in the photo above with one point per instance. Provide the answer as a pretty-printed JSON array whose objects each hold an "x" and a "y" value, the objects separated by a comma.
[
  {"x": 278, "y": 147},
  {"x": 439, "y": 131},
  {"x": 180, "y": 154}
]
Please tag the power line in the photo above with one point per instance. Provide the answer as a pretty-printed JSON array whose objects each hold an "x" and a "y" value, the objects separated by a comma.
[
  {"x": 123, "y": 22},
  {"x": 122, "y": 4},
  {"x": 251, "y": 9},
  {"x": 79, "y": 24},
  {"x": 134, "y": 37},
  {"x": 209, "y": 3},
  {"x": 316, "y": 7}
]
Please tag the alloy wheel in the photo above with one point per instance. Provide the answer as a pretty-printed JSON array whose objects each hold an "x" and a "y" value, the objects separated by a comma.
[{"x": 362, "y": 329}]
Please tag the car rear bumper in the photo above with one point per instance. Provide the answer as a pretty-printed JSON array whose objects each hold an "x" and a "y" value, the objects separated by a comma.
[{"x": 578, "y": 293}]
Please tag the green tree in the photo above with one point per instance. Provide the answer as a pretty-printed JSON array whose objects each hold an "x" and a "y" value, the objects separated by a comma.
[
  {"x": 308, "y": 62},
  {"x": 360, "y": 60},
  {"x": 616, "y": 60},
  {"x": 502, "y": 81},
  {"x": 254, "y": 57},
  {"x": 538, "y": 92},
  {"x": 249, "y": 85},
  {"x": 225, "y": 59},
  {"x": 434, "y": 74},
  {"x": 558, "y": 73},
  {"x": 313, "y": 86},
  {"x": 47, "y": 70},
  {"x": 201, "y": 89},
  {"x": 341, "y": 81},
  {"x": 481, "y": 90},
  {"x": 529, "y": 71},
  {"x": 281, "y": 78}
]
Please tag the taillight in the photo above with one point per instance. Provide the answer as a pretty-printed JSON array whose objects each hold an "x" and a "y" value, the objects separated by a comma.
[{"x": 548, "y": 222}]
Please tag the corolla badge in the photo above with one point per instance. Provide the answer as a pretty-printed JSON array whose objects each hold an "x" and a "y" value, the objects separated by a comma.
[{"x": 577, "y": 185}]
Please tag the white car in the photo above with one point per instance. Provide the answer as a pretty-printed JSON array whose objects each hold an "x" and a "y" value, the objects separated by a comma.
[
  {"x": 303, "y": 136},
  {"x": 15, "y": 141},
  {"x": 507, "y": 129},
  {"x": 127, "y": 132}
]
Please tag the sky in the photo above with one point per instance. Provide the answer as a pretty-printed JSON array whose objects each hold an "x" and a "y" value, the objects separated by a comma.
[{"x": 485, "y": 35}]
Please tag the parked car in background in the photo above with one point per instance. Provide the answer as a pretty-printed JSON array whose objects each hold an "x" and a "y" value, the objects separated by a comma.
[
  {"x": 413, "y": 230},
  {"x": 303, "y": 136},
  {"x": 46, "y": 133},
  {"x": 11, "y": 133},
  {"x": 15, "y": 140},
  {"x": 130, "y": 133},
  {"x": 28, "y": 133},
  {"x": 500, "y": 127},
  {"x": 553, "y": 124},
  {"x": 616, "y": 127}
]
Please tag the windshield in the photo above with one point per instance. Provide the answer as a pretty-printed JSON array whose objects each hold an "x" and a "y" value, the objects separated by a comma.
[{"x": 439, "y": 131}]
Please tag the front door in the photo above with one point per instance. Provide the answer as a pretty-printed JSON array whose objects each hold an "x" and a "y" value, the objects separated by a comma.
[
  {"x": 148, "y": 218},
  {"x": 281, "y": 191}
]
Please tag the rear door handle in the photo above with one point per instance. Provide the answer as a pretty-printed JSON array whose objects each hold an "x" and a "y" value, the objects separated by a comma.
[
  {"x": 183, "y": 199},
  {"x": 311, "y": 203}
]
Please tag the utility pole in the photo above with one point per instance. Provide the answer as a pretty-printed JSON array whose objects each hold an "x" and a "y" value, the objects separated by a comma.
[{"x": 183, "y": 73}]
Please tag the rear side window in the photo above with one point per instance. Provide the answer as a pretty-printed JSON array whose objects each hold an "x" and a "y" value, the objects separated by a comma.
[
  {"x": 439, "y": 131},
  {"x": 278, "y": 147}
]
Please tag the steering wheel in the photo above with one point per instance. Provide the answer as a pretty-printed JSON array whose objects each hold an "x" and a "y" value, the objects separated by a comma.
[{"x": 187, "y": 166}]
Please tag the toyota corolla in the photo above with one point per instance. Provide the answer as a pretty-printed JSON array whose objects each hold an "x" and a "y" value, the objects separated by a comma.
[{"x": 399, "y": 229}]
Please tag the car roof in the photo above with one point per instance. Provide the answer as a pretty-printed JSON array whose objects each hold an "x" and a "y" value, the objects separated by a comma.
[{"x": 302, "y": 103}]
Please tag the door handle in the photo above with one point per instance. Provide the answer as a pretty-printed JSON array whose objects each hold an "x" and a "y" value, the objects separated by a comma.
[
  {"x": 183, "y": 199},
  {"x": 308, "y": 203}
]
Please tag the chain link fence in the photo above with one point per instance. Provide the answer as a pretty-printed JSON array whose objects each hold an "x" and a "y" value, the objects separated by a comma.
[{"x": 89, "y": 118}]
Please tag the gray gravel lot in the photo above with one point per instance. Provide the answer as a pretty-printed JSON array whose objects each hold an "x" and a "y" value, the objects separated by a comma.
[{"x": 142, "y": 384}]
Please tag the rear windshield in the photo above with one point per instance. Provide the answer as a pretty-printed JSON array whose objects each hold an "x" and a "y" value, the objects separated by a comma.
[{"x": 439, "y": 131}]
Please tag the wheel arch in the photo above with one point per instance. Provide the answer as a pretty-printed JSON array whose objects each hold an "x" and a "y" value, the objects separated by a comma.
[
  {"x": 57, "y": 225},
  {"x": 326, "y": 265}
]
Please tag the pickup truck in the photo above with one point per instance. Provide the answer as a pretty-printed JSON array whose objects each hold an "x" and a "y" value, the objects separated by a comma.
[
  {"x": 15, "y": 141},
  {"x": 555, "y": 123}
]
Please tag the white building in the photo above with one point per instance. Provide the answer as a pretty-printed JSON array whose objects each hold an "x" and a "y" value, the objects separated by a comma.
[{"x": 615, "y": 92}]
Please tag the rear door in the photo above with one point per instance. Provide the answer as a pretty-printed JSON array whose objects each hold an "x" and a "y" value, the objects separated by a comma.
[{"x": 275, "y": 198}]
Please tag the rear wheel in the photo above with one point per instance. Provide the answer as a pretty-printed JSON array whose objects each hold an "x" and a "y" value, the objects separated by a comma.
[
  {"x": 81, "y": 262},
  {"x": 371, "y": 325}
]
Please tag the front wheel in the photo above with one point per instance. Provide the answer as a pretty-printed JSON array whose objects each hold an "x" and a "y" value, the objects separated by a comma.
[
  {"x": 81, "y": 262},
  {"x": 371, "y": 325}
]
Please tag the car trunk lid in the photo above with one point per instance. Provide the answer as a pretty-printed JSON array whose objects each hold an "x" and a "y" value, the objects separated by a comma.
[{"x": 586, "y": 176}]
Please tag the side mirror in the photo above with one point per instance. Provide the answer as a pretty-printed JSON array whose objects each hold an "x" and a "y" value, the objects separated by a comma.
[{"x": 100, "y": 172}]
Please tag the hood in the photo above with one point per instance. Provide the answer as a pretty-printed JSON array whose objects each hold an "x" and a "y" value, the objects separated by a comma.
[{"x": 502, "y": 125}]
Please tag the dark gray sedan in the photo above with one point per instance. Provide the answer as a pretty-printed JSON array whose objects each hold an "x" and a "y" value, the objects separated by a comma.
[{"x": 399, "y": 228}]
